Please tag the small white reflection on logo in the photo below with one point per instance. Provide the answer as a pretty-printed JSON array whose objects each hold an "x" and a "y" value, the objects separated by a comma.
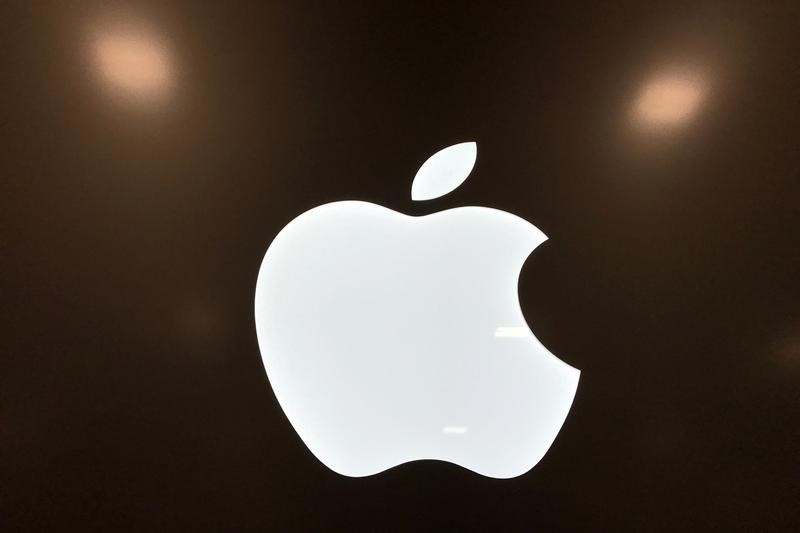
[
  {"x": 517, "y": 332},
  {"x": 454, "y": 430}
]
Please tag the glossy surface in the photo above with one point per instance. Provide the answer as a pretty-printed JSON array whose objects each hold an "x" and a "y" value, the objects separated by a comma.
[{"x": 132, "y": 227}]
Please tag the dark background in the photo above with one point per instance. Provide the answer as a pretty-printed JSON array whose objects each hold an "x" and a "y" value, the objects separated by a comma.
[{"x": 132, "y": 394}]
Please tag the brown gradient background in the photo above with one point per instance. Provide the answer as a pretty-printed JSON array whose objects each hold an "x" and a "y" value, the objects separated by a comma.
[{"x": 132, "y": 394}]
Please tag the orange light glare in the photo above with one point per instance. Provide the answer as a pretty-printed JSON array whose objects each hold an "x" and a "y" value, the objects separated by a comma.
[
  {"x": 133, "y": 63},
  {"x": 668, "y": 100}
]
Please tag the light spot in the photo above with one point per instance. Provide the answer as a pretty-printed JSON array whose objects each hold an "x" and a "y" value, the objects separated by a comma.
[
  {"x": 668, "y": 100},
  {"x": 133, "y": 62},
  {"x": 785, "y": 353},
  {"x": 199, "y": 321},
  {"x": 454, "y": 430}
]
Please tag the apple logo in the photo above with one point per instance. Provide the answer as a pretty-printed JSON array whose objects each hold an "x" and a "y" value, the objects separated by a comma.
[{"x": 390, "y": 338}]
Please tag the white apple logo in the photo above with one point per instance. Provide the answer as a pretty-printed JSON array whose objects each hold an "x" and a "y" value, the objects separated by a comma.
[{"x": 389, "y": 338}]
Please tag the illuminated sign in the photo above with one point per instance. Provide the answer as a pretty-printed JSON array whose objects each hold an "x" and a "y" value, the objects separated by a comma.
[{"x": 390, "y": 338}]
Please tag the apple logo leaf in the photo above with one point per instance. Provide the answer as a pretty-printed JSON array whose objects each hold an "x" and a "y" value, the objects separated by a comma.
[{"x": 444, "y": 171}]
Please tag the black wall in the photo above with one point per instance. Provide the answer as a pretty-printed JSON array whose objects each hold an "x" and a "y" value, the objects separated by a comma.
[{"x": 132, "y": 394}]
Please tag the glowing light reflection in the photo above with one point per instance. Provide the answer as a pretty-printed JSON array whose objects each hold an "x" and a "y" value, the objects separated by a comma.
[
  {"x": 133, "y": 61},
  {"x": 669, "y": 100}
]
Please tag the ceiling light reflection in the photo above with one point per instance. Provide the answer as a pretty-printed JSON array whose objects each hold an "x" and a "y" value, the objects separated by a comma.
[
  {"x": 668, "y": 100},
  {"x": 133, "y": 62},
  {"x": 786, "y": 352}
]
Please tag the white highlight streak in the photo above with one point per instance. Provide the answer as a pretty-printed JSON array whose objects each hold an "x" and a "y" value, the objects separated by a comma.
[{"x": 517, "y": 332}]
